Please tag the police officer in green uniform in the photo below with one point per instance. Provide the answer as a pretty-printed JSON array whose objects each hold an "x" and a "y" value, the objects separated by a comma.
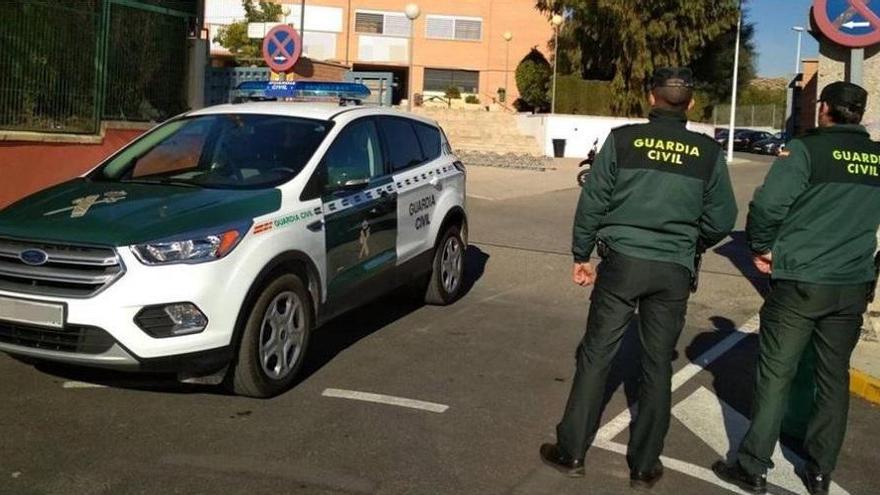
[
  {"x": 656, "y": 192},
  {"x": 813, "y": 226}
]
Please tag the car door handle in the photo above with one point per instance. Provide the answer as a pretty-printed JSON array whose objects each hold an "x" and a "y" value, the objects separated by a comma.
[
  {"x": 435, "y": 183},
  {"x": 316, "y": 226}
]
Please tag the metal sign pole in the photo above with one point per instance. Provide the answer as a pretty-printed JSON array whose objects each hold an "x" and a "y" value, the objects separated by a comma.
[
  {"x": 856, "y": 65},
  {"x": 732, "y": 127}
]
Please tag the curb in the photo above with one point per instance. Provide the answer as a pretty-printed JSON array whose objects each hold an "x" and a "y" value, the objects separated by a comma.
[{"x": 865, "y": 386}]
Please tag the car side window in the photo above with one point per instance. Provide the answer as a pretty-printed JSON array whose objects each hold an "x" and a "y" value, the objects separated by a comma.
[
  {"x": 355, "y": 156},
  {"x": 404, "y": 150},
  {"x": 429, "y": 138}
]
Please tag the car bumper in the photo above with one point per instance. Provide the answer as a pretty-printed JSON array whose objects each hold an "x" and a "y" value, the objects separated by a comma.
[{"x": 101, "y": 331}]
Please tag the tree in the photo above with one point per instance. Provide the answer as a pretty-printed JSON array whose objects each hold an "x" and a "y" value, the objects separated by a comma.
[
  {"x": 533, "y": 76},
  {"x": 625, "y": 41},
  {"x": 713, "y": 69},
  {"x": 234, "y": 37}
]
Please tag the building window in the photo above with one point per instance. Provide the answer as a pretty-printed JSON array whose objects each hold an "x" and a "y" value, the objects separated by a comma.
[
  {"x": 467, "y": 81},
  {"x": 387, "y": 23},
  {"x": 454, "y": 28}
]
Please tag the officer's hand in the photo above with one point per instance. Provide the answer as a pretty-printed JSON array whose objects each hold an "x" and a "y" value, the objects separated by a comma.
[
  {"x": 764, "y": 262},
  {"x": 584, "y": 274}
]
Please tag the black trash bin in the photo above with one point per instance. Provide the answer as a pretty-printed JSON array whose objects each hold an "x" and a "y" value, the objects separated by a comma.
[{"x": 559, "y": 148}]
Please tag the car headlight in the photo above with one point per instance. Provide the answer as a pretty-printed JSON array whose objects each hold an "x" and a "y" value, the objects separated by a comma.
[{"x": 196, "y": 247}]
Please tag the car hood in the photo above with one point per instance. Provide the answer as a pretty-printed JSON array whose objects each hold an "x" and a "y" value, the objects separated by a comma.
[{"x": 120, "y": 214}]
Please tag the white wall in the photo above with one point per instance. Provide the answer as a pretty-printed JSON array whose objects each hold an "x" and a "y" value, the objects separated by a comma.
[{"x": 580, "y": 131}]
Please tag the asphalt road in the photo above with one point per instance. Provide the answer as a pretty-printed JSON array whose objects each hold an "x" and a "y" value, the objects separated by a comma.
[{"x": 500, "y": 360}]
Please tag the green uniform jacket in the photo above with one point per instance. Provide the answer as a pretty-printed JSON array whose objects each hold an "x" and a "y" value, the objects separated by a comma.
[
  {"x": 819, "y": 208},
  {"x": 655, "y": 191}
]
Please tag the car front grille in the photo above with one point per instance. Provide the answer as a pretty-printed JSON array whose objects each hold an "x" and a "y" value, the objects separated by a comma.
[
  {"x": 69, "y": 270},
  {"x": 73, "y": 338}
]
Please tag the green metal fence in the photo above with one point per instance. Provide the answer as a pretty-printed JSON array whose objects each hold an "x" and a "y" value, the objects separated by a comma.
[
  {"x": 47, "y": 66},
  {"x": 65, "y": 66},
  {"x": 769, "y": 116}
]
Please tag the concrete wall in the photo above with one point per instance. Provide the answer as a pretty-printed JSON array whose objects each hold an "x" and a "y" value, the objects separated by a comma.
[
  {"x": 29, "y": 166},
  {"x": 833, "y": 66},
  {"x": 580, "y": 131}
]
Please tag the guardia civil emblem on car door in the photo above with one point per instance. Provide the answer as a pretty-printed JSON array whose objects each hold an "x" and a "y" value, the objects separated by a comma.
[
  {"x": 364, "y": 240},
  {"x": 81, "y": 206}
]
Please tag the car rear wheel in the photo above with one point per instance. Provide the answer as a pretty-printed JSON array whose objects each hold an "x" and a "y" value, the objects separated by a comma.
[
  {"x": 447, "y": 277},
  {"x": 274, "y": 340}
]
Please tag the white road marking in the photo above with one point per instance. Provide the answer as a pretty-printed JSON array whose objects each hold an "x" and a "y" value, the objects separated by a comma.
[
  {"x": 616, "y": 426},
  {"x": 722, "y": 427},
  {"x": 75, "y": 385},
  {"x": 692, "y": 470},
  {"x": 385, "y": 399}
]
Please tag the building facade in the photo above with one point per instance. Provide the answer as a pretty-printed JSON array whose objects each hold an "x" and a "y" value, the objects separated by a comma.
[{"x": 461, "y": 43}]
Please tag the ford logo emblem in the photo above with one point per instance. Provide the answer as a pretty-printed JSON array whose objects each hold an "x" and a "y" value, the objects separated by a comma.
[{"x": 34, "y": 257}]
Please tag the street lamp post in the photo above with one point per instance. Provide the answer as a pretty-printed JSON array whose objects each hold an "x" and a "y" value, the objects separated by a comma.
[
  {"x": 789, "y": 122},
  {"x": 507, "y": 37},
  {"x": 412, "y": 13},
  {"x": 797, "y": 61},
  {"x": 556, "y": 20},
  {"x": 735, "y": 87}
]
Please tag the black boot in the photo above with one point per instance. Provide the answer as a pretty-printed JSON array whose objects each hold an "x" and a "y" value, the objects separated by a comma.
[
  {"x": 552, "y": 456},
  {"x": 817, "y": 483},
  {"x": 646, "y": 479},
  {"x": 735, "y": 474}
]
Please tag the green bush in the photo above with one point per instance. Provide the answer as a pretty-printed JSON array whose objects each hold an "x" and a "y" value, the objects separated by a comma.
[
  {"x": 533, "y": 77},
  {"x": 453, "y": 93},
  {"x": 472, "y": 99}
]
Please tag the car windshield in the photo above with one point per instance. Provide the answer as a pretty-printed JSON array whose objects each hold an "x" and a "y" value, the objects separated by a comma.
[{"x": 228, "y": 151}]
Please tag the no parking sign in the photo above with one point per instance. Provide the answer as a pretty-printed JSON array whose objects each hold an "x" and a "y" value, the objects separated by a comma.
[
  {"x": 282, "y": 47},
  {"x": 849, "y": 23}
]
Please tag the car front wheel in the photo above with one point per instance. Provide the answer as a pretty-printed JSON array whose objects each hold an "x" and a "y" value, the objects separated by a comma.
[{"x": 274, "y": 340}]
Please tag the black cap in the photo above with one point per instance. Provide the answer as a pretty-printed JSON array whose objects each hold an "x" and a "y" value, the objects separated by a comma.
[
  {"x": 676, "y": 77},
  {"x": 845, "y": 94}
]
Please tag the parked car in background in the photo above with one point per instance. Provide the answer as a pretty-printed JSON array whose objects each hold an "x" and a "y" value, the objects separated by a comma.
[
  {"x": 745, "y": 140},
  {"x": 770, "y": 146}
]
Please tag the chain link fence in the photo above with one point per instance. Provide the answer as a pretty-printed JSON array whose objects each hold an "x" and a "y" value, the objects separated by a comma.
[
  {"x": 766, "y": 116},
  {"x": 65, "y": 66}
]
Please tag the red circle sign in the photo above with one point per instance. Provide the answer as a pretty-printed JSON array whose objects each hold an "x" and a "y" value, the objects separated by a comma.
[
  {"x": 833, "y": 28},
  {"x": 282, "y": 48}
]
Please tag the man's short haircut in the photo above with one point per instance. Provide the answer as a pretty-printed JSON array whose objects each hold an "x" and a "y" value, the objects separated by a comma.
[
  {"x": 844, "y": 114},
  {"x": 673, "y": 97}
]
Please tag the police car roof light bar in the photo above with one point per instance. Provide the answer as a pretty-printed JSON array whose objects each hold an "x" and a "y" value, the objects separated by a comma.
[{"x": 342, "y": 92}]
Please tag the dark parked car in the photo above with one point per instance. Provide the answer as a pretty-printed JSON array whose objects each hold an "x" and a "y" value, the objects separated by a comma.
[
  {"x": 745, "y": 140},
  {"x": 770, "y": 146}
]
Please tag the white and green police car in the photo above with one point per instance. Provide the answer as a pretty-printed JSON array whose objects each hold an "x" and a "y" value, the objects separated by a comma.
[{"x": 216, "y": 243}]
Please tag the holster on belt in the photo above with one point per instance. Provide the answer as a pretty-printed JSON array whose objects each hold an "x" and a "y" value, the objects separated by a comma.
[
  {"x": 698, "y": 264},
  {"x": 602, "y": 249},
  {"x": 876, "y": 276}
]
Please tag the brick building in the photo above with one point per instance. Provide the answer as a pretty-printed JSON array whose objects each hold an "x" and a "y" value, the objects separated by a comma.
[{"x": 455, "y": 42}]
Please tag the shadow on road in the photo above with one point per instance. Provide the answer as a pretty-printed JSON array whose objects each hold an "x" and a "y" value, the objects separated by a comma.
[
  {"x": 326, "y": 342},
  {"x": 738, "y": 252}
]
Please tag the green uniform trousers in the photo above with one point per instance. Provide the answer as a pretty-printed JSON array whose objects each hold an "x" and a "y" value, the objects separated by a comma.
[
  {"x": 796, "y": 315},
  {"x": 660, "y": 290}
]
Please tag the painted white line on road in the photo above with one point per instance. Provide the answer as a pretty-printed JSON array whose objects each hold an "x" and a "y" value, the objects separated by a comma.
[
  {"x": 616, "y": 426},
  {"x": 76, "y": 385},
  {"x": 692, "y": 470},
  {"x": 385, "y": 399},
  {"x": 722, "y": 427}
]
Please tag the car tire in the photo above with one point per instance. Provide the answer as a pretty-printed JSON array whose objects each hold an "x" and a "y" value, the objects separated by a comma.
[
  {"x": 274, "y": 339},
  {"x": 447, "y": 276}
]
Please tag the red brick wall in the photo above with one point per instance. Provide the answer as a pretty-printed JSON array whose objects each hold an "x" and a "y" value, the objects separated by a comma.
[{"x": 27, "y": 167}]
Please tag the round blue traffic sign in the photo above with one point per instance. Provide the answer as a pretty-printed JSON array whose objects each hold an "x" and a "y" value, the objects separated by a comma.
[
  {"x": 282, "y": 48},
  {"x": 850, "y": 23}
]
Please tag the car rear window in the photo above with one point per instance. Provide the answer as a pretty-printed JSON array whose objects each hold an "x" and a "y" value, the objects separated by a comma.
[
  {"x": 404, "y": 149},
  {"x": 429, "y": 138}
]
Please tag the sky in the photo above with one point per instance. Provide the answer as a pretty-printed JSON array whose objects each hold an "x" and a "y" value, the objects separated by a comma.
[{"x": 776, "y": 43}]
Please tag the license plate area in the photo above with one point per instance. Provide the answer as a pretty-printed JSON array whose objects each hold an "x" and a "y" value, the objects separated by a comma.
[{"x": 27, "y": 312}]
